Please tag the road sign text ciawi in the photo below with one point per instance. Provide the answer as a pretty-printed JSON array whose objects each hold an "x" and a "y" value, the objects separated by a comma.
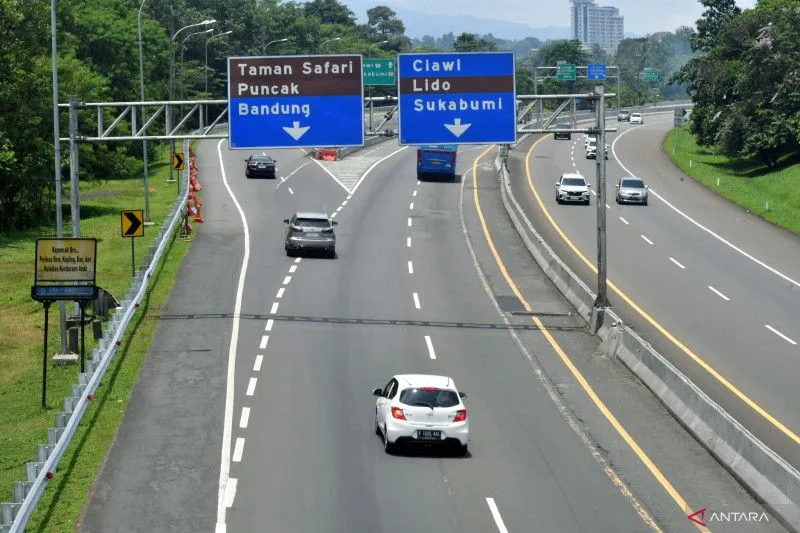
[{"x": 428, "y": 66}]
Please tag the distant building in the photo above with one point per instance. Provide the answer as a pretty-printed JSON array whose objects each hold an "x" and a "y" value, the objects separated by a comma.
[{"x": 593, "y": 24}]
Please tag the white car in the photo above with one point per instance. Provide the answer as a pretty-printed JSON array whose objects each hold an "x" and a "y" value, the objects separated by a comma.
[
  {"x": 421, "y": 409},
  {"x": 636, "y": 118},
  {"x": 572, "y": 188}
]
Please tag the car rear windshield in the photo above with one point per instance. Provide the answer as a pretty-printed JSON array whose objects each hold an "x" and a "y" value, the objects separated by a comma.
[
  {"x": 573, "y": 181},
  {"x": 564, "y": 126},
  {"x": 429, "y": 396},
  {"x": 634, "y": 184},
  {"x": 261, "y": 159},
  {"x": 312, "y": 223}
]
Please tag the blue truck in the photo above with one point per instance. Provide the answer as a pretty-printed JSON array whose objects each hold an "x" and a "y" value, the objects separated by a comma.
[{"x": 438, "y": 160}]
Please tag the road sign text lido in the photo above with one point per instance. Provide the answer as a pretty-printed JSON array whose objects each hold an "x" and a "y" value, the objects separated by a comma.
[
  {"x": 65, "y": 260},
  {"x": 457, "y": 98},
  {"x": 295, "y": 101}
]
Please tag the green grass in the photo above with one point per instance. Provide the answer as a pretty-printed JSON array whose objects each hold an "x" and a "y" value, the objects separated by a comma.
[
  {"x": 772, "y": 194},
  {"x": 23, "y": 422}
]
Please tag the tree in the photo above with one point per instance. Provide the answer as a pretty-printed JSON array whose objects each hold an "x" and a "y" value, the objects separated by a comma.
[
  {"x": 712, "y": 22},
  {"x": 469, "y": 42},
  {"x": 330, "y": 12}
]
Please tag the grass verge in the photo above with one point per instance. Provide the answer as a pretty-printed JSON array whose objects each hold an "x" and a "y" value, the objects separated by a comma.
[
  {"x": 771, "y": 194},
  {"x": 23, "y": 422}
]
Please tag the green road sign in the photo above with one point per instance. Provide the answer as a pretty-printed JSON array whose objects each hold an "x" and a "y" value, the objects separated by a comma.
[
  {"x": 379, "y": 71},
  {"x": 565, "y": 72},
  {"x": 650, "y": 75}
]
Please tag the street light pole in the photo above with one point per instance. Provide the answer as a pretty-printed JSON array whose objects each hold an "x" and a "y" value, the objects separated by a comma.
[
  {"x": 145, "y": 172},
  {"x": 274, "y": 42},
  {"x": 208, "y": 39},
  {"x": 183, "y": 42},
  {"x": 601, "y": 302},
  {"x": 328, "y": 41}
]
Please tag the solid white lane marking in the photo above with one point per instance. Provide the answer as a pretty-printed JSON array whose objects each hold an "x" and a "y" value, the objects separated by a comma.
[
  {"x": 292, "y": 269},
  {"x": 408, "y": 242},
  {"x": 268, "y": 327},
  {"x": 297, "y": 260},
  {"x": 251, "y": 386},
  {"x": 702, "y": 227},
  {"x": 414, "y": 193},
  {"x": 264, "y": 340},
  {"x": 375, "y": 164},
  {"x": 409, "y": 222},
  {"x": 257, "y": 364},
  {"x": 238, "y": 450},
  {"x": 274, "y": 308},
  {"x": 715, "y": 291},
  {"x": 625, "y": 221},
  {"x": 410, "y": 268},
  {"x": 245, "y": 417},
  {"x": 287, "y": 279},
  {"x": 676, "y": 262},
  {"x": 291, "y": 191},
  {"x": 230, "y": 491},
  {"x": 779, "y": 334},
  {"x": 431, "y": 352},
  {"x": 498, "y": 520},
  {"x": 648, "y": 241},
  {"x": 411, "y": 205},
  {"x": 280, "y": 293},
  {"x": 329, "y": 173},
  {"x": 416, "y": 301},
  {"x": 227, "y": 428}
]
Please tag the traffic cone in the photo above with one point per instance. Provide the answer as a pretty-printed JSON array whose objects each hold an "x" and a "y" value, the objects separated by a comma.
[{"x": 198, "y": 217}]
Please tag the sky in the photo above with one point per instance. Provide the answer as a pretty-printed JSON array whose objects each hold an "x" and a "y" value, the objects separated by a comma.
[{"x": 641, "y": 16}]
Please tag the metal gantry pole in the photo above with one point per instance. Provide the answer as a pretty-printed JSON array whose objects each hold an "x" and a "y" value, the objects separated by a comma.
[
  {"x": 62, "y": 306},
  {"x": 601, "y": 303},
  {"x": 74, "y": 167},
  {"x": 145, "y": 171}
]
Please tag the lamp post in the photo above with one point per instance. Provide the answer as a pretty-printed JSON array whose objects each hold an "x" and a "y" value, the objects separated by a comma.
[
  {"x": 369, "y": 94},
  {"x": 208, "y": 39},
  {"x": 274, "y": 42},
  {"x": 183, "y": 42},
  {"x": 145, "y": 171},
  {"x": 328, "y": 41}
]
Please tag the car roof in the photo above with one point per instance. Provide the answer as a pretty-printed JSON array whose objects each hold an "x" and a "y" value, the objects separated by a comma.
[
  {"x": 260, "y": 156},
  {"x": 311, "y": 214},
  {"x": 573, "y": 175},
  {"x": 637, "y": 113},
  {"x": 425, "y": 380},
  {"x": 623, "y": 178}
]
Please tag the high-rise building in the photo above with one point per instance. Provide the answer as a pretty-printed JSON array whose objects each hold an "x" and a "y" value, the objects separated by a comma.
[{"x": 593, "y": 24}]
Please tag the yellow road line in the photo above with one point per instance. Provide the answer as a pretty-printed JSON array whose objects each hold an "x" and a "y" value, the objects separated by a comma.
[
  {"x": 651, "y": 466},
  {"x": 708, "y": 368}
]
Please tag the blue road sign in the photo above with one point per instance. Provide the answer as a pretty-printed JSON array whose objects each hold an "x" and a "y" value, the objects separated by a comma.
[
  {"x": 457, "y": 98},
  {"x": 596, "y": 71},
  {"x": 295, "y": 101}
]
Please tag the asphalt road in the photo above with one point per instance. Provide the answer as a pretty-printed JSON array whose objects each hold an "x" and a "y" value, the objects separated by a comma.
[
  {"x": 315, "y": 336},
  {"x": 727, "y": 290}
]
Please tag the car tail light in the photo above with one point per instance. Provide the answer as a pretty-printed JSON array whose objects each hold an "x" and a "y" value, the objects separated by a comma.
[
  {"x": 327, "y": 230},
  {"x": 295, "y": 229},
  {"x": 397, "y": 412},
  {"x": 461, "y": 415},
  {"x": 429, "y": 389}
]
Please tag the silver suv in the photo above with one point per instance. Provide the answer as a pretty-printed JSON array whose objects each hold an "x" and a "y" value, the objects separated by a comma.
[
  {"x": 631, "y": 190},
  {"x": 572, "y": 188},
  {"x": 311, "y": 232}
]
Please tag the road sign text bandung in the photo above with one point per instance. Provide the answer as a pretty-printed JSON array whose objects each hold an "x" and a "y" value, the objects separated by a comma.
[
  {"x": 457, "y": 98},
  {"x": 295, "y": 101}
]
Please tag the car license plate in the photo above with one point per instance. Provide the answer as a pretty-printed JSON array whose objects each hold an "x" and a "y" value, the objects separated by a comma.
[
  {"x": 312, "y": 234},
  {"x": 429, "y": 434}
]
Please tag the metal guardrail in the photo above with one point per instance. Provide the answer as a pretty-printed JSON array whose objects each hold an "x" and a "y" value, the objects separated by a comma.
[{"x": 14, "y": 516}]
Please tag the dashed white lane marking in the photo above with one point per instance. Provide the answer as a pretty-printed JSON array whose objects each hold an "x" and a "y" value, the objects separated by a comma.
[
  {"x": 411, "y": 205},
  {"x": 648, "y": 241},
  {"x": 292, "y": 173},
  {"x": 274, "y": 308},
  {"x": 779, "y": 334},
  {"x": 408, "y": 242},
  {"x": 297, "y": 260},
  {"x": 268, "y": 327},
  {"x": 677, "y": 263},
  {"x": 245, "y": 419},
  {"x": 624, "y": 221},
  {"x": 715, "y": 291},
  {"x": 349, "y": 196},
  {"x": 593, "y": 193},
  {"x": 338, "y": 209},
  {"x": 410, "y": 268},
  {"x": 264, "y": 341},
  {"x": 251, "y": 386},
  {"x": 608, "y": 206},
  {"x": 292, "y": 269},
  {"x": 409, "y": 222},
  {"x": 498, "y": 520},
  {"x": 287, "y": 279},
  {"x": 414, "y": 193},
  {"x": 238, "y": 450},
  {"x": 291, "y": 191},
  {"x": 416, "y": 301},
  {"x": 257, "y": 364},
  {"x": 344, "y": 203},
  {"x": 230, "y": 491},
  {"x": 431, "y": 352},
  {"x": 333, "y": 215},
  {"x": 280, "y": 293}
]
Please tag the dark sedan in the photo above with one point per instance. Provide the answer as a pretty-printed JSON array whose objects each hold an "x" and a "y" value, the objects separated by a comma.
[
  {"x": 260, "y": 166},
  {"x": 624, "y": 116},
  {"x": 561, "y": 134}
]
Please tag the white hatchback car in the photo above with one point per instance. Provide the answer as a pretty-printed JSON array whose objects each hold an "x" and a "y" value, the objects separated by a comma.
[
  {"x": 421, "y": 409},
  {"x": 636, "y": 118}
]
